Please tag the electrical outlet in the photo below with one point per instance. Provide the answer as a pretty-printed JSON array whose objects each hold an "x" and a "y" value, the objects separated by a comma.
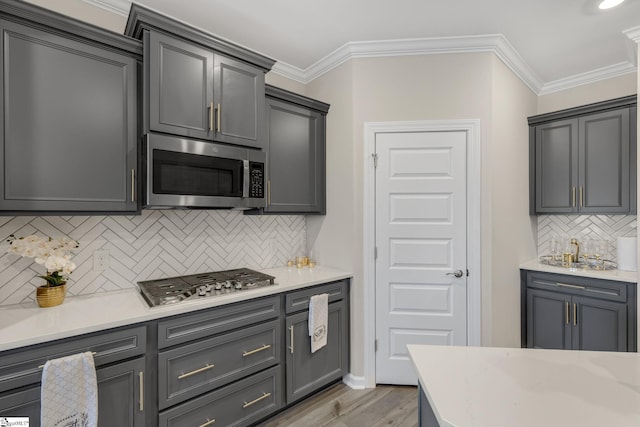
[{"x": 101, "y": 260}]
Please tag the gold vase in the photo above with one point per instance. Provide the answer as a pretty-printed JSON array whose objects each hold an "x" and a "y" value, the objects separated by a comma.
[{"x": 50, "y": 296}]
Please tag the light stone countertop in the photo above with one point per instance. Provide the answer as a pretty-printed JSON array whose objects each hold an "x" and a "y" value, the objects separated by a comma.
[
  {"x": 507, "y": 387},
  {"x": 619, "y": 275},
  {"x": 26, "y": 324}
]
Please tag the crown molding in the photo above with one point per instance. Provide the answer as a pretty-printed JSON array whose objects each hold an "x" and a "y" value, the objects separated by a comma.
[
  {"x": 119, "y": 7},
  {"x": 593, "y": 76},
  {"x": 495, "y": 43},
  {"x": 633, "y": 34}
]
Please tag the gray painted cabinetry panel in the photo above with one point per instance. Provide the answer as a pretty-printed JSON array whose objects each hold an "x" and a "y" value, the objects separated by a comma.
[
  {"x": 69, "y": 127},
  {"x": 583, "y": 159},
  {"x": 119, "y": 388},
  {"x": 568, "y": 312},
  {"x": 196, "y": 92},
  {"x": 296, "y": 153}
]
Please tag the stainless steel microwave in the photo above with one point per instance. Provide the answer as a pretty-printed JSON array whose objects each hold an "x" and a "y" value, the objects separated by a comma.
[{"x": 186, "y": 173}]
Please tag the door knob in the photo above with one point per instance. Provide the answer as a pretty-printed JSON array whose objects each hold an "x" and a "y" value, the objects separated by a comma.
[{"x": 457, "y": 273}]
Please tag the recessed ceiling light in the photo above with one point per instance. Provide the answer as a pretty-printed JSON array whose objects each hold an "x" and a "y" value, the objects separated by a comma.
[{"x": 608, "y": 4}]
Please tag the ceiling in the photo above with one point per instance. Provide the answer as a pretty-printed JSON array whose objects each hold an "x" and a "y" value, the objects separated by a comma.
[{"x": 548, "y": 41}]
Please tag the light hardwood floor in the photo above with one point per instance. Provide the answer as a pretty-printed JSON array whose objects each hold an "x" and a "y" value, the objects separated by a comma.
[{"x": 339, "y": 406}]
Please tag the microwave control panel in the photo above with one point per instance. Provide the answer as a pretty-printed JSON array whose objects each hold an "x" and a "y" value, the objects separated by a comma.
[{"x": 256, "y": 186}]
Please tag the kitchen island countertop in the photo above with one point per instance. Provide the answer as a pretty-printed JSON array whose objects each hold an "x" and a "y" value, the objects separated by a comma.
[
  {"x": 506, "y": 387},
  {"x": 618, "y": 275},
  {"x": 27, "y": 324}
]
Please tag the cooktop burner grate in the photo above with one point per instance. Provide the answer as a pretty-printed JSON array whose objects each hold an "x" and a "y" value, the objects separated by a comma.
[{"x": 176, "y": 289}]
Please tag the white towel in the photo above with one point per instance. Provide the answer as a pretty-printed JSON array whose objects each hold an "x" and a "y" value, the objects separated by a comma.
[
  {"x": 69, "y": 393},
  {"x": 318, "y": 321}
]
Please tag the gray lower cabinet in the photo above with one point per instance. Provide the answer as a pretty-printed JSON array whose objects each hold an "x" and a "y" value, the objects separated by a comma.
[
  {"x": 118, "y": 397},
  {"x": 581, "y": 159},
  {"x": 307, "y": 372},
  {"x": 120, "y": 368},
  {"x": 195, "y": 92},
  {"x": 565, "y": 312},
  {"x": 69, "y": 122},
  {"x": 296, "y": 153}
]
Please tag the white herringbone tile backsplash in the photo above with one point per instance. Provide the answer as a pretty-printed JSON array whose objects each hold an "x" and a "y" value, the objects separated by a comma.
[
  {"x": 601, "y": 227},
  {"x": 158, "y": 243}
]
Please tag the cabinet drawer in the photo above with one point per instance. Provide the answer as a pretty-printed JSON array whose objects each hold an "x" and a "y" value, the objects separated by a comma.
[
  {"x": 238, "y": 404},
  {"x": 299, "y": 300},
  {"x": 217, "y": 320},
  {"x": 24, "y": 366},
  {"x": 584, "y": 286},
  {"x": 196, "y": 368}
]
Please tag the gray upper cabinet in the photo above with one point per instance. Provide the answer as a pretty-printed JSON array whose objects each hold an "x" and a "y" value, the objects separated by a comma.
[
  {"x": 197, "y": 85},
  {"x": 238, "y": 101},
  {"x": 69, "y": 121},
  {"x": 582, "y": 159},
  {"x": 296, "y": 153},
  {"x": 180, "y": 86}
]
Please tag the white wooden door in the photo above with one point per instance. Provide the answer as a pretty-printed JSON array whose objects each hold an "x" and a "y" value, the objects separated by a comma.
[{"x": 421, "y": 245}]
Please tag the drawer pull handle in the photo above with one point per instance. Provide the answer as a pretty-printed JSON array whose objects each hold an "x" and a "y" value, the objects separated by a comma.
[
  {"x": 208, "y": 423},
  {"x": 291, "y": 339},
  {"x": 249, "y": 353},
  {"x": 93, "y": 353},
  {"x": 197, "y": 371},
  {"x": 566, "y": 285},
  {"x": 141, "y": 377},
  {"x": 264, "y": 396}
]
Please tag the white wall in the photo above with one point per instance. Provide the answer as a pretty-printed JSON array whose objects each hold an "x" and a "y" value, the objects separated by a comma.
[
  {"x": 85, "y": 12},
  {"x": 513, "y": 231},
  {"x": 587, "y": 94}
]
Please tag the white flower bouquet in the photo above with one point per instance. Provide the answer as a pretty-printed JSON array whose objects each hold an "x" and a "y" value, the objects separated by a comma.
[{"x": 53, "y": 254}]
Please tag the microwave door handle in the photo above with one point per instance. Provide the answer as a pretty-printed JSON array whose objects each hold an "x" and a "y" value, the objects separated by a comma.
[{"x": 245, "y": 180}]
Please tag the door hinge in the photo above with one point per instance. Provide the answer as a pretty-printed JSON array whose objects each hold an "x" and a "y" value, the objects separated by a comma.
[
  {"x": 375, "y": 252},
  {"x": 375, "y": 345},
  {"x": 375, "y": 160}
]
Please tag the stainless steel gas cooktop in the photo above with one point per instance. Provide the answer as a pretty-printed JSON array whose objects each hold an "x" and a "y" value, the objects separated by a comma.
[{"x": 176, "y": 289}]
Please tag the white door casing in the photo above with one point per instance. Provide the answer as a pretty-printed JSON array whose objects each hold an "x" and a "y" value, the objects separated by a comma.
[{"x": 407, "y": 202}]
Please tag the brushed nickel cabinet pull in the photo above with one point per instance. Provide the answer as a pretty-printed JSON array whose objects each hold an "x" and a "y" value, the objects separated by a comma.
[
  {"x": 575, "y": 314},
  {"x": 218, "y": 120},
  {"x": 197, "y": 371},
  {"x": 211, "y": 116},
  {"x": 208, "y": 423},
  {"x": 133, "y": 185},
  {"x": 264, "y": 396},
  {"x": 291, "y": 338},
  {"x": 141, "y": 377},
  {"x": 93, "y": 353},
  {"x": 581, "y": 197},
  {"x": 566, "y": 313},
  {"x": 248, "y": 353},
  {"x": 269, "y": 193},
  {"x": 566, "y": 285},
  {"x": 573, "y": 197}
]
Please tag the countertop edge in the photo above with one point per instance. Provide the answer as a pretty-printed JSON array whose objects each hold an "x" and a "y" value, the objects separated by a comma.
[
  {"x": 616, "y": 275},
  {"x": 128, "y": 308}
]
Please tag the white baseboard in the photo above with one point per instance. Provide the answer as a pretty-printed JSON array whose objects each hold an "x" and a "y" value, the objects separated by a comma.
[{"x": 354, "y": 382}]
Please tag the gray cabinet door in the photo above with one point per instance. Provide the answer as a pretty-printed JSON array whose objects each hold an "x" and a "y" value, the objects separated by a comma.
[
  {"x": 548, "y": 320},
  {"x": 238, "y": 98},
  {"x": 306, "y": 371},
  {"x": 69, "y": 124},
  {"x": 118, "y": 397},
  {"x": 599, "y": 325},
  {"x": 556, "y": 167},
  {"x": 296, "y": 159},
  {"x": 120, "y": 394},
  {"x": 604, "y": 162},
  {"x": 180, "y": 86}
]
